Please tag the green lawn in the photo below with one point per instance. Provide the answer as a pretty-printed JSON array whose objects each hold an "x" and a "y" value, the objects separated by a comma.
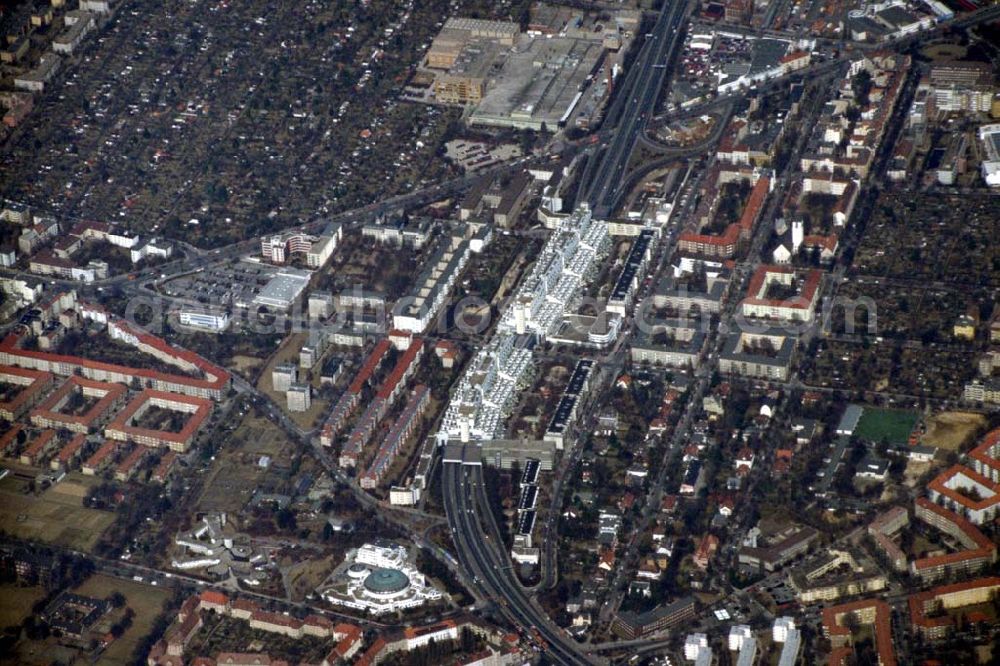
[{"x": 890, "y": 424}]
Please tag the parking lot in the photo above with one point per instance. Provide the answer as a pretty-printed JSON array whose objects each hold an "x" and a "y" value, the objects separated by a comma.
[{"x": 235, "y": 284}]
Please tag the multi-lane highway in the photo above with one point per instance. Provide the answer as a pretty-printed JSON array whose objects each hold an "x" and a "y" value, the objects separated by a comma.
[
  {"x": 634, "y": 106},
  {"x": 483, "y": 556},
  {"x": 481, "y": 552}
]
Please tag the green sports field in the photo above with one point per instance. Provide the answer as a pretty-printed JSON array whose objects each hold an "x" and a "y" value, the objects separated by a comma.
[{"x": 893, "y": 425}]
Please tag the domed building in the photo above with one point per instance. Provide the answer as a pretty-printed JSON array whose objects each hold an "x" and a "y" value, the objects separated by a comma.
[
  {"x": 378, "y": 578},
  {"x": 386, "y": 583}
]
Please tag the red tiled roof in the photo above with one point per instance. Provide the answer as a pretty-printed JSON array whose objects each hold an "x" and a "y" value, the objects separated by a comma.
[
  {"x": 244, "y": 605},
  {"x": 132, "y": 460},
  {"x": 214, "y": 597},
  {"x": 793, "y": 56},
  {"x": 802, "y": 301},
  {"x": 882, "y": 626},
  {"x": 823, "y": 242},
  {"x": 8, "y": 437},
  {"x": 317, "y": 621},
  {"x": 38, "y": 444},
  {"x": 194, "y": 421},
  {"x": 102, "y": 453},
  {"x": 917, "y": 601},
  {"x": 166, "y": 462},
  {"x": 45, "y": 257},
  {"x": 276, "y": 619},
  {"x": 216, "y": 377},
  {"x": 368, "y": 368},
  {"x": 755, "y": 204},
  {"x": 67, "y": 452},
  {"x": 402, "y": 366},
  {"x": 372, "y": 653},
  {"x": 414, "y": 632},
  {"x": 351, "y": 635}
]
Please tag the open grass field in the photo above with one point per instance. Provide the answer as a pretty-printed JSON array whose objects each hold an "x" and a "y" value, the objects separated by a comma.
[
  {"x": 890, "y": 424},
  {"x": 945, "y": 52},
  {"x": 289, "y": 353},
  {"x": 17, "y": 603},
  {"x": 44, "y": 653},
  {"x": 235, "y": 475},
  {"x": 146, "y": 601},
  {"x": 949, "y": 430},
  {"x": 55, "y": 516},
  {"x": 245, "y": 365},
  {"x": 306, "y": 576}
]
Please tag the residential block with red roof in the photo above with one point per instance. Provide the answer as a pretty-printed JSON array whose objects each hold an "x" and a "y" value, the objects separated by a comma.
[
  {"x": 203, "y": 379},
  {"x": 974, "y": 491},
  {"x": 124, "y": 427},
  {"x": 31, "y": 386},
  {"x": 68, "y": 408},
  {"x": 874, "y": 613},
  {"x": 929, "y": 611},
  {"x": 798, "y": 305}
]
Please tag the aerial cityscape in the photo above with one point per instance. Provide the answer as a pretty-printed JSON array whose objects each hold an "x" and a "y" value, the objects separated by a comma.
[{"x": 499, "y": 332}]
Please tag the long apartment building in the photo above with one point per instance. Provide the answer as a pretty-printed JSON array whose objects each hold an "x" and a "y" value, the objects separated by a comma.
[
  {"x": 567, "y": 261},
  {"x": 978, "y": 551},
  {"x": 488, "y": 390},
  {"x": 881, "y": 530},
  {"x": 627, "y": 284},
  {"x": 31, "y": 384},
  {"x": 405, "y": 424},
  {"x": 124, "y": 427},
  {"x": 68, "y": 453},
  {"x": 101, "y": 458},
  {"x": 523, "y": 549},
  {"x": 386, "y": 396},
  {"x": 38, "y": 447},
  {"x": 415, "y": 311},
  {"x": 349, "y": 400},
  {"x": 213, "y": 383},
  {"x": 57, "y": 410},
  {"x": 347, "y": 638},
  {"x": 130, "y": 464},
  {"x": 566, "y": 409}
]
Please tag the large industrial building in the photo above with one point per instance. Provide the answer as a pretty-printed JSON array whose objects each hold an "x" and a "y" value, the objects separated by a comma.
[{"x": 540, "y": 85}]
